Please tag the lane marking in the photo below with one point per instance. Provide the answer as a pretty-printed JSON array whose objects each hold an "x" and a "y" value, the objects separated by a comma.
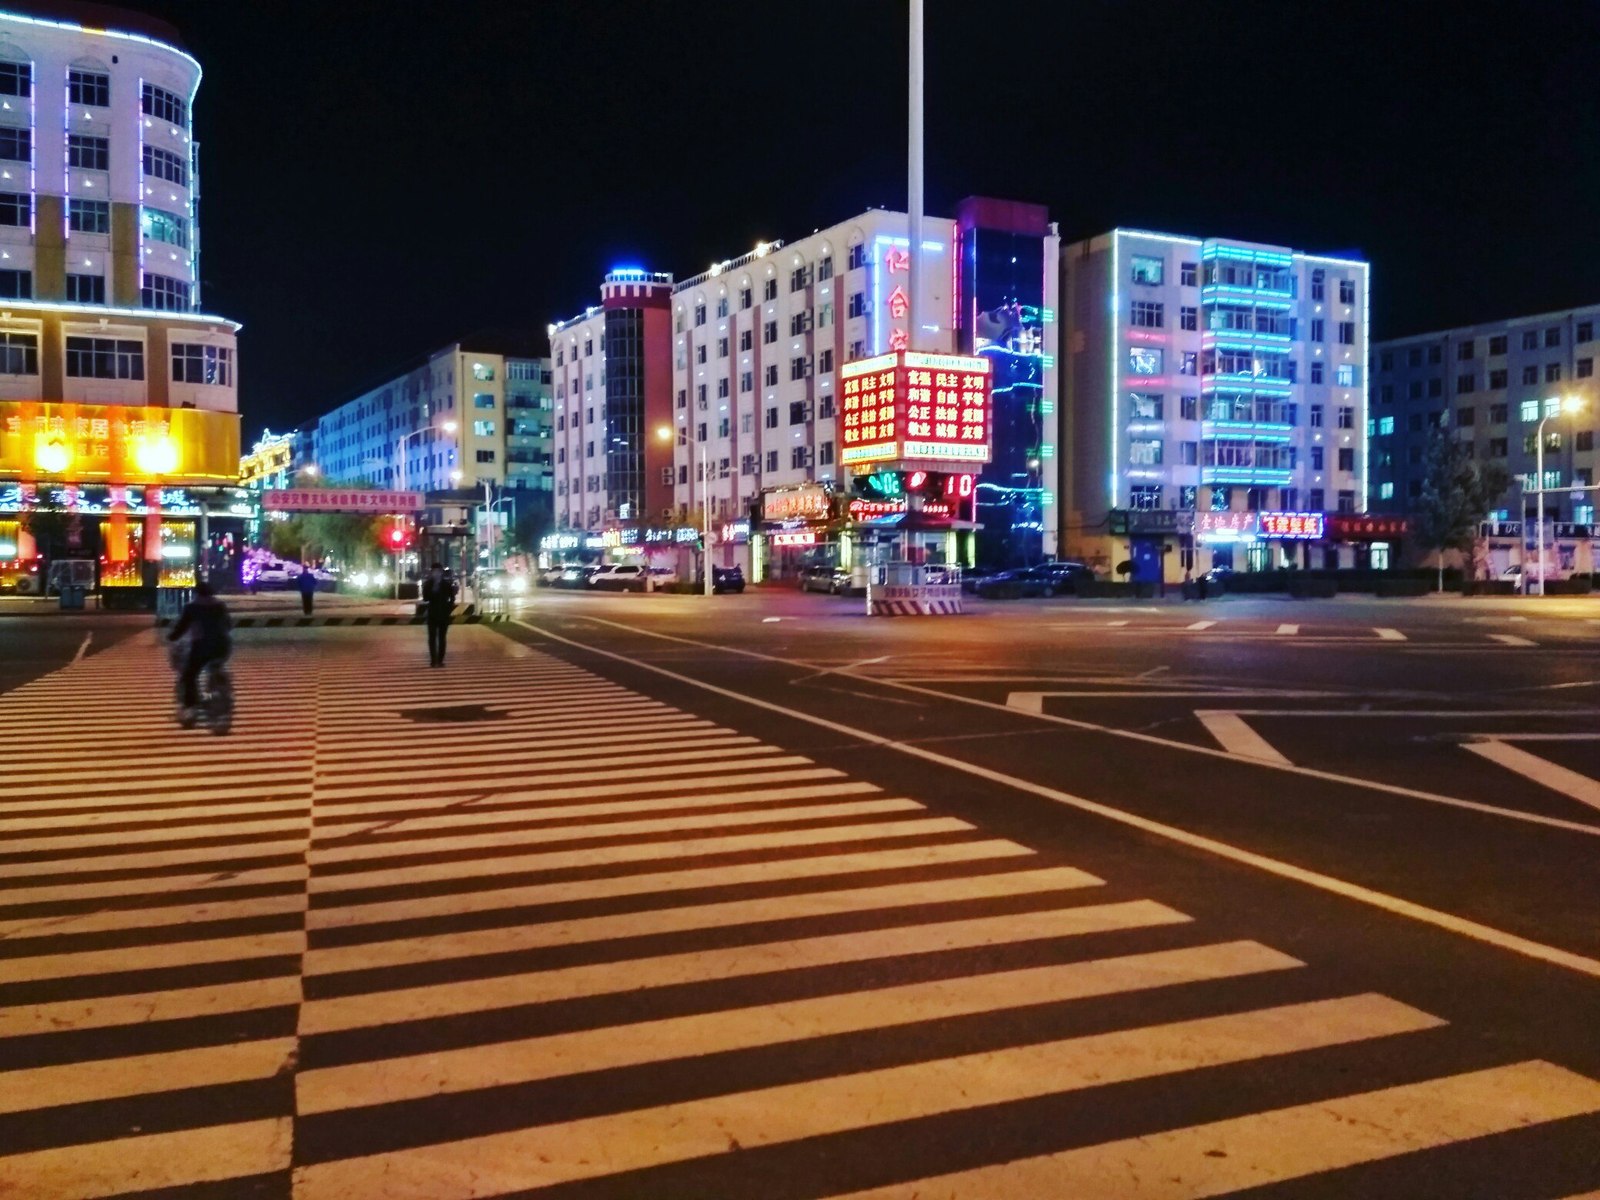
[
  {"x": 493, "y": 1164},
  {"x": 1288, "y": 630},
  {"x": 1110, "y": 624},
  {"x": 175, "y": 1004},
  {"x": 1486, "y": 934},
  {"x": 143, "y": 1074},
  {"x": 677, "y": 879},
  {"x": 1199, "y": 625},
  {"x": 1511, "y": 639},
  {"x": 1389, "y": 635},
  {"x": 151, "y": 957},
  {"x": 730, "y": 914},
  {"x": 1541, "y": 770},
  {"x": 83, "y": 647},
  {"x": 1236, "y": 737},
  {"x": 1242, "y": 1153},
  {"x": 757, "y": 1024},
  {"x": 459, "y": 997},
  {"x": 158, "y": 1161}
]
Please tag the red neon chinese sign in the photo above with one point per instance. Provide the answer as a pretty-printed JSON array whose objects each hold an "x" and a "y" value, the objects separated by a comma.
[{"x": 1305, "y": 526}]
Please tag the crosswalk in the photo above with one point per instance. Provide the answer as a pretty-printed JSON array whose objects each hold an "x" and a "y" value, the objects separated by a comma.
[{"x": 511, "y": 926}]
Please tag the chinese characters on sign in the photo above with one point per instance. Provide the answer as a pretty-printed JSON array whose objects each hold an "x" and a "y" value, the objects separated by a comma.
[
  {"x": 912, "y": 406},
  {"x": 1299, "y": 526},
  {"x": 897, "y": 261},
  {"x": 808, "y": 501},
  {"x": 1354, "y": 527},
  {"x": 338, "y": 500},
  {"x": 802, "y": 537},
  {"x": 117, "y": 444},
  {"x": 1225, "y": 526}
]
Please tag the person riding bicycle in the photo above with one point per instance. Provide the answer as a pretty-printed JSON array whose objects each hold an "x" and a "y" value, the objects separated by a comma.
[{"x": 206, "y": 620}]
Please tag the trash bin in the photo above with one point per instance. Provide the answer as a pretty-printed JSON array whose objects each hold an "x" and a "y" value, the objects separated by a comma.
[{"x": 72, "y": 597}]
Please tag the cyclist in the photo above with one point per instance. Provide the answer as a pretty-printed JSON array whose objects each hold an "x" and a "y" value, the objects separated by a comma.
[{"x": 206, "y": 619}]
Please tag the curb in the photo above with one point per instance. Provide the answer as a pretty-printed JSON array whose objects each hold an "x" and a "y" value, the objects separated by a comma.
[{"x": 318, "y": 622}]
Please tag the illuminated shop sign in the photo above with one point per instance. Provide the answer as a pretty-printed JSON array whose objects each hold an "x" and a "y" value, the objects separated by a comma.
[
  {"x": 355, "y": 500},
  {"x": 1225, "y": 526},
  {"x": 112, "y": 443},
  {"x": 1356, "y": 527},
  {"x": 559, "y": 541},
  {"x": 912, "y": 406},
  {"x": 808, "y": 501},
  {"x": 876, "y": 510},
  {"x": 797, "y": 537},
  {"x": 736, "y": 532},
  {"x": 1292, "y": 525}
]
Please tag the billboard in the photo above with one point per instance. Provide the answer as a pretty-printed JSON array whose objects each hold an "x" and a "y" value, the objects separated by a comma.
[
  {"x": 340, "y": 500},
  {"x": 117, "y": 443},
  {"x": 912, "y": 407}
]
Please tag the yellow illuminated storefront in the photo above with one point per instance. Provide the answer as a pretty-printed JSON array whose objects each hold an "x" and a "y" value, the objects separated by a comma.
[{"x": 120, "y": 463}]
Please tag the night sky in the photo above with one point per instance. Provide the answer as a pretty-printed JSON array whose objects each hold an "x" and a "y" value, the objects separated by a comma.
[{"x": 380, "y": 178}]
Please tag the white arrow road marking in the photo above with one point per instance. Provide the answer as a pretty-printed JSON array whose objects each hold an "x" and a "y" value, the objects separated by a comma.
[
  {"x": 1288, "y": 630},
  {"x": 1510, "y": 639},
  {"x": 1237, "y": 738},
  {"x": 1541, "y": 770},
  {"x": 1199, "y": 625},
  {"x": 1390, "y": 635}
]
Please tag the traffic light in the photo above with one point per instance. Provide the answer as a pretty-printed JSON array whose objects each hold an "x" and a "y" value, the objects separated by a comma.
[{"x": 396, "y": 538}]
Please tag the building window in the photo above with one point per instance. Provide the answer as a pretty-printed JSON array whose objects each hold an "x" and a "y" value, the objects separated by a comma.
[
  {"x": 1316, "y": 458},
  {"x": 1347, "y": 333},
  {"x": 1345, "y": 375},
  {"x": 89, "y": 216},
  {"x": 769, "y": 333},
  {"x": 86, "y": 289},
  {"x": 1465, "y": 384},
  {"x": 1316, "y": 370},
  {"x": 1347, "y": 291},
  {"x": 162, "y": 164},
  {"x": 1466, "y": 416},
  {"x": 1552, "y": 373},
  {"x": 825, "y": 454},
  {"x": 1189, "y": 453},
  {"x": 1189, "y": 408},
  {"x": 483, "y": 428},
  {"x": 16, "y": 285},
  {"x": 770, "y": 420},
  {"x": 797, "y": 368},
  {"x": 104, "y": 358},
  {"x": 1528, "y": 410},
  {"x": 1530, "y": 373},
  {"x": 724, "y": 427},
  {"x": 486, "y": 456},
  {"x": 1318, "y": 283},
  {"x": 857, "y": 306},
  {"x": 772, "y": 460},
  {"x": 747, "y": 339},
  {"x": 1144, "y": 360},
  {"x": 683, "y": 397},
  {"x": 825, "y": 406},
  {"x": 1188, "y": 318},
  {"x": 797, "y": 412},
  {"x": 700, "y": 354},
  {"x": 825, "y": 361},
  {"x": 1316, "y": 416},
  {"x": 1497, "y": 379},
  {"x": 769, "y": 289},
  {"x": 1347, "y": 502},
  {"x": 1552, "y": 336},
  {"x": 19, "y": 354},
  {"x": 1385, "y": 425},
  {"x": 770, "y": 375},
  {"x": 16, "y": 208},
  {"x": 90, "y": 88},
  {"x": 1464, "y": 350},
  {"x": 89, "y": 153},
  {"x": 16, "y": 79},
  {"x": 1144, "y": 407},
  {"x": 1188, "y": 275},
  {"x": 1498, "y": 413},
  {"x": 1317, "y": 330},
  {"x": 1414, "y": 356},
  {"x": 747, "y": 381},
  {"x": 699, "y": 314},
  {"x": 1146, "y": 314},
  {"x": 1145, "y": 452},
  {"x": 746, "y": 298},
  {"x": 1347, "y": 458},
  {"x": 722, "y": 347},
  {"x": 1147, "y": 270},
  {"x": 722, "y": 389},
  {"x": 1144, "y": 497},
  {"x": 700, "y": 396},
  {"x": 16, "y": 145},
  {"x": 1585, "y": 368},
  {"x": 164, "y": 293},
  {"x": 722, "y": 306},
  {"x": 164, "y": 105},
  {"x": 1584, "y": 441}
]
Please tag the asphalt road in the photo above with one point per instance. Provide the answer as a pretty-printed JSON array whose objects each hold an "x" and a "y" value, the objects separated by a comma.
[
  {"x": 35, "y": 640},
  {"x": 657, "y": 896}
]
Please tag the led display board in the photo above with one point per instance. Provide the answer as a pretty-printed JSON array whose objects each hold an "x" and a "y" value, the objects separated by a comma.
[
  {"x": 912, "y": 407},
  {"x": 117, "y": 443}
]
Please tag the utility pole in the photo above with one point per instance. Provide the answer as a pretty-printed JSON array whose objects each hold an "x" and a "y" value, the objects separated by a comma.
[{"x": 914, "y": 174}]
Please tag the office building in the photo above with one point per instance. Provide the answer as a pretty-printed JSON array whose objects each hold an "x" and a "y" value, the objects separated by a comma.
[
  {"x": 612, "y": 368},
  {"x": 118, "y": 392},
  {"x": 1490, "y": 385},
  {"x": 1214, "y": 400}
]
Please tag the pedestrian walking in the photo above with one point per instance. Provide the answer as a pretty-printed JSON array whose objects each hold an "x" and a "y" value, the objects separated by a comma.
[
  {"x": 438, "y": 601},
  {"x": 307, "y": 583}
]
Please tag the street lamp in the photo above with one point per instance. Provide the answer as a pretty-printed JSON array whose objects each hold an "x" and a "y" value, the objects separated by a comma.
[
  {"x": 400, "y": 447},
  {"x": 1568, "y": 404},
  {"x": 664, "y": 433}
]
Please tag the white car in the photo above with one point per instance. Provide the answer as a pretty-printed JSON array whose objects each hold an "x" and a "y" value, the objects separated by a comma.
[{"x": 621, "y": 577}]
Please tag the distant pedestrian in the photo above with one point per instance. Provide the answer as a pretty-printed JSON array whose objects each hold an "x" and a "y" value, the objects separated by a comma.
[
  {"x": 438, "y": 601},
  {"x": 307, "y": 583}
]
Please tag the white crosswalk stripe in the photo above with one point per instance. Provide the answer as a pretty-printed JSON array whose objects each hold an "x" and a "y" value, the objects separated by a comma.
[{"x": 405, "y": 948}]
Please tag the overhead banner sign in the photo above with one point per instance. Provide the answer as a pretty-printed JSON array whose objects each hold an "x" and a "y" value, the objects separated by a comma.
[
  {"x": 340, "y": 500},
  {"x": 913, "y": 407}
]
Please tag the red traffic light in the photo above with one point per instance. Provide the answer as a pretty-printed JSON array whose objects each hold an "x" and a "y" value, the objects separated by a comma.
[{"x": 397, "y": 537}]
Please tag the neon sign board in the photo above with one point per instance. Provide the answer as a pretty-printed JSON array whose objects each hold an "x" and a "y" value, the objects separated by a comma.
[
  {"x": 801, "y": 537},
  {"x": 1291, "y": 525},
  {"x": 909, "y": 406}
]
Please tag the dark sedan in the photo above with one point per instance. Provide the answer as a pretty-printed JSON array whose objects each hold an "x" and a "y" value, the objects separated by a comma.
[{"x": 1048, "y": 579}]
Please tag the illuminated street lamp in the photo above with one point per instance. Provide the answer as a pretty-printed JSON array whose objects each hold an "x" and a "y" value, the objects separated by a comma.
[
  {"x": 400, "y": 447},
  {"x": 1568, "y": 404},
  {"x": 664, "y": 433}
]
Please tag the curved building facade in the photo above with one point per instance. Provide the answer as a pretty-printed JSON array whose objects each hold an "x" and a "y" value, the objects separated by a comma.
[{"x": 115, "y": 385}]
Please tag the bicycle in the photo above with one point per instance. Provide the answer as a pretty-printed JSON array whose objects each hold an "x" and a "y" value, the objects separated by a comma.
[{"x": 215, "y": 687}]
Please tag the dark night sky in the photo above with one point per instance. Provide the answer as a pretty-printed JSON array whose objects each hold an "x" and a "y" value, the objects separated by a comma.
[{"x": 382, "y": 177}]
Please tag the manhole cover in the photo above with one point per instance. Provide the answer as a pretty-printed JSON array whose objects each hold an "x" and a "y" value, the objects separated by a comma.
[{"x": 453, "y": 712}]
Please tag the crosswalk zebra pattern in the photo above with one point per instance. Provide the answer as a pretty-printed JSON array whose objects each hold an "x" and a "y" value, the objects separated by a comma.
[{"x": 513, "y": 928}]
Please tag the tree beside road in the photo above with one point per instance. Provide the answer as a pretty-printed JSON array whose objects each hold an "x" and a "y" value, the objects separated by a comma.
[{"x": 1458, "y": 493}]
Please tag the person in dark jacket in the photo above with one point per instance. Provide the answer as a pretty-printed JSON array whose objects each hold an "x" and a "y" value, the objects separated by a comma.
[
  {"x": 307, "y": 583},
  {"x": 205, "y": 619},
  {"x": 439, "y": 601}
]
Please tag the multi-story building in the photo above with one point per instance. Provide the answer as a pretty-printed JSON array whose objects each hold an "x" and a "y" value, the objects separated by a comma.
[
  {"x": 118, "y": 394},
  {"x": 441, "y": 423},
  {"x": 1214, "y": 397},
  {"x": 1491, "y": 385},
  {"x": 613, "y": 398}
]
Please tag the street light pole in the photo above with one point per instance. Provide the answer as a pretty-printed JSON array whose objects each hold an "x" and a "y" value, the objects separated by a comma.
[
  {"x": 1568, "y": 404},
  {"x": 705, "y": 519}
]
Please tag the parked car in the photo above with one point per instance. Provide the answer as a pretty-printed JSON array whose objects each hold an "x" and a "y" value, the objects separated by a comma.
[
  {"x": 727, "y": 579},
  {"x": 575, "y": 576},
  {"x": 1068, "y": 574},
  {"x": 973, "y": 576},
  {"x": 1216, "y": 579},
  {"x": 661, "y": 576},
  {"x": 1024, "y": 581},
  {"x": 274, "y": 573},
  {"x": 825, "y": 578},
  {"x": 621, "y": 577}
]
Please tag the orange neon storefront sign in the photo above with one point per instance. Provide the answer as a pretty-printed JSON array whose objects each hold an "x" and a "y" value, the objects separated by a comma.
[{"x": 119, "y": 444}]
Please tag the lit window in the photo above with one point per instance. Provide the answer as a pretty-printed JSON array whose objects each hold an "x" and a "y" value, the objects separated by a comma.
[
  {"x": 1147, "y": 270},
  {"x": 165, "y": 106}
]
